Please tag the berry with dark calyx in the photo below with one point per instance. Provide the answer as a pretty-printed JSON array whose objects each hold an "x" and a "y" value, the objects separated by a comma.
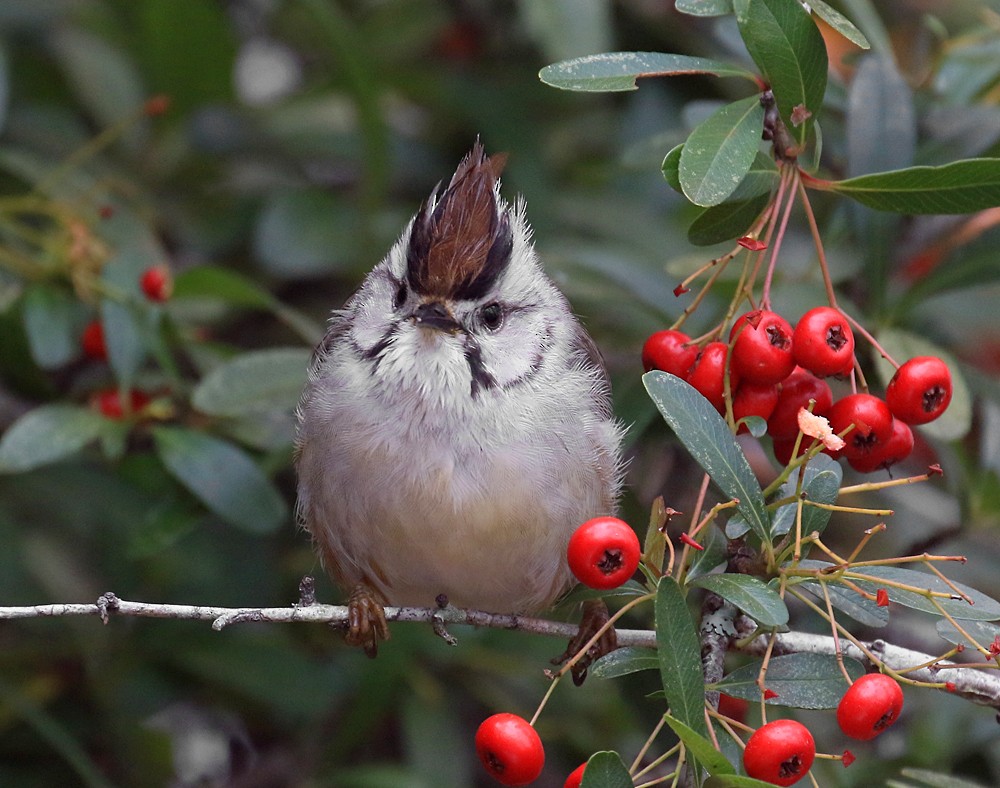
[
  {"x": 603, "y": 552},
  {"x": 510, "y": 749},
  {"x": 762, "y": 350},
  {"x": 870, "y": 705},
  {"x": 920, "y": 391},
  {"x": 92, "y": 341},
  {"x": 796, "y": 391},
  {"x": 108, "y": 402},
  {"x": 896, "y": 449},
  {"x": 157, "y": 284},
  {"x": 708, "y": 374},
  {"x": 780, "y": 752},
  {"x": 823, "y": 342},
  {"x": 754, "y": 399},
  {"x": 575, "y": 777},
  {"x": 668, "y": 351},
  {"x": 872, "y": 422}
]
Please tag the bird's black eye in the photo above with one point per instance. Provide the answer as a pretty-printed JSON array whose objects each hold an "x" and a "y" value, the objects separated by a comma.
[
  {"x": 491, "y": 315},
  {"x": 400, "y": 297}
]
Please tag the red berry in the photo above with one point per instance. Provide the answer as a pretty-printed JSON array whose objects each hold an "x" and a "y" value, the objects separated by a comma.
[
  {"x": 796, "y": 391},
  {"x": 823, "y": 342},
  {"x": 575, "y": 777},
  {"x": 156, "y": 105},
  {"x": 510, "y": 749},
  {"x": 780, "y": 752},
  {"x": 603, "y": 552},
  {"x": 872, "y": 422},
  {"x": 668, "y": 351},
  {"x": 870, "y": 705},
  {"x": 896, "y": 449},
  {"x": 92, "y": 341},
  {"x": 920, "y": 390},
  {"x": 157, "y": 283},
  {"x": 762, "y": 351},
  {"x": 708, "y": 374},
  {"x": 109, "y": 403},
  {"x": 754, "y": 399}
]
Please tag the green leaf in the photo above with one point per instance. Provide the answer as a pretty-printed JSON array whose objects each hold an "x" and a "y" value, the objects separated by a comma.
[
  {"x": 984, "y": 608},
  {"x": 623, "y": 661},
  {"x": 715, "y": 554},
  {"x": 46, "y": 434},
  {"x": 701, "y": 748},
  {"x": 616, "y": 71},
  {"x": 839, "y": 22},
  {"x": 679, "y": 652},
  {"x": 749, "y": 594},
  {"x": 786, "y": 45},
  {"x": 880, "y": 107},
  {"x": 606, "y": 770},
  {"x": 729, "y": 220},
  {"x": 963, "y": 186},
  {"x": 801, "y": 681},
  {"x": 671, "y": 168},
  {"x": 719, "y": 153},
  {"x": 51, "y": 315},
  {"x": 223, "y": 477},
  {"x": 820, "y": 484},
  {"x": 984, "y": 632},
  {"x": 707, "y": 437},
  {"x": 864, "y": 611},
  {"x": 257, "y": 381},
  {"x": 705, "y": 7},
  {"x": 956, "y": 421},
  {"x": 938, "y": 779}
]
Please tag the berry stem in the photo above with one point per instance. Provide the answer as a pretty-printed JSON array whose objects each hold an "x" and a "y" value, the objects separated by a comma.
[
  {"x": 831, "y": 296},
  {"x": 545, "y": 699},
  {"x": 765, "y": 298}
]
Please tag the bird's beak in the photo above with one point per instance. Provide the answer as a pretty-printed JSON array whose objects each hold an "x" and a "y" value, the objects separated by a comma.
[{"x": 434, "y": 314}]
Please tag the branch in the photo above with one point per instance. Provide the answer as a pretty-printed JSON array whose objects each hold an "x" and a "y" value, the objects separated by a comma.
[{"x": 978, "y": 686}]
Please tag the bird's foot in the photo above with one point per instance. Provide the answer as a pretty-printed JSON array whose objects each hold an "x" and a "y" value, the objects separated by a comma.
[
  {"x": 595, "y": 617},
  {"x": 366, "y": 624}
]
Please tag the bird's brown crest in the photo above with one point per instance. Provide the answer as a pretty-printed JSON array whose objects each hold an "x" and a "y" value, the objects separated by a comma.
[{"x": 461, "y": 238}]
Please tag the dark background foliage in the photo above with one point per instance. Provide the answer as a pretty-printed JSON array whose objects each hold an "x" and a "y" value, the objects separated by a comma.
[{"x": 300, "y": 137}]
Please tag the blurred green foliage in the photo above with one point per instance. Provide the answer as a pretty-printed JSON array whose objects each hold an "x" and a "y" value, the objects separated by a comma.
[{"x": 300, "y": 136}]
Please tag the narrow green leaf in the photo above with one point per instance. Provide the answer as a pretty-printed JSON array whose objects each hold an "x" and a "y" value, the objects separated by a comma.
[
  {"x": 715, "y": 554},
  {"x": 701, "y": 748},
  {"x": 679, "y": 652},
  {"x": 253, "y": 382},
  {"x": 984, "y": 632},
  {"x": 705, "y": 7},
  {"x": 963, "y": 186},
  {"x": 724, "y": 222},
  {"x": 983, "y": 608},
  {"x": 706, "y": 436},
  {"x": 750, "y": 594},
  {"x": 956, "y": 421},
  {"x": 223, "y": 477},
  {"x": 671, "y": 168},
  {"x": 801, "y": 681},
  {"x": 623, "y": 661},
  {"x": 616, "y": 71},
  {"x": 50, "y": 318},
  {"x": 820, "y": 484},
  {"x": 606, "y": 770},
  {"x": 934, "y": 779},
  {"x": 864, "y": 611},
  {"x": 786, "y": 45},
  {"x": 839, "y": 22},
  {"x": 718, "y": 154},
  {"x": 46, "y": 434}
]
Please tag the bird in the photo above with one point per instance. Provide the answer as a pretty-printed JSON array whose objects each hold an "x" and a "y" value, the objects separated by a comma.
[{"x": 456, "y": 425}]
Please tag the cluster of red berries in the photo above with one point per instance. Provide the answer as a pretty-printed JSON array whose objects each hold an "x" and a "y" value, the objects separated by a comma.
[
  {"x": 156, "y": 284},
  {"x": 782, "y": 751},
  {"x": 775, "y": 371}
]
